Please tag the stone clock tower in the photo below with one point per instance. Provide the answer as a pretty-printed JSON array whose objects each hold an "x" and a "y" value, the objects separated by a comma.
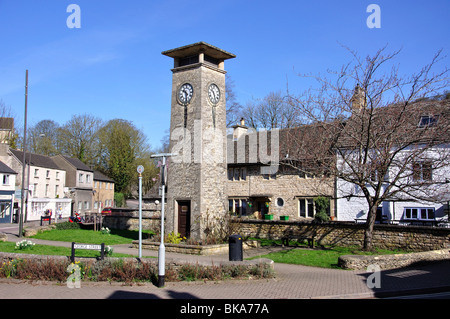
[{"x": 196, "y": 185}]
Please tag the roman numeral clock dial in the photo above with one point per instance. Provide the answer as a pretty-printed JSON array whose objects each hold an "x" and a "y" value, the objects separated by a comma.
[
  {"x": 185, "y": 94},
  {"x": 214, "y": 97},
  {"x": 214, "y": 94}
]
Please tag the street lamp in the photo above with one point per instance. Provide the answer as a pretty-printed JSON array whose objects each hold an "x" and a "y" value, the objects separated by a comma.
[
  {"x": 162, "y": 249},
  {"x": 140, "y": 170}
]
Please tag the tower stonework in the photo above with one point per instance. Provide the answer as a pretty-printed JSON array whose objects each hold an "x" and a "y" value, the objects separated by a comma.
[{"x": 196, "y": 185}]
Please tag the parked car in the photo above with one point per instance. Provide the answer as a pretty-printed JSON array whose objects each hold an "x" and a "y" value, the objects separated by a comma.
[{"x": 106, "y": 211}]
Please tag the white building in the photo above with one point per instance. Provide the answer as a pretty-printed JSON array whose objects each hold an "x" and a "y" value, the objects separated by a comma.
[
  {"x": 7, "y": 191},
  {"x": 45, "y": 185},
  {"x": 418, "y": 174}
]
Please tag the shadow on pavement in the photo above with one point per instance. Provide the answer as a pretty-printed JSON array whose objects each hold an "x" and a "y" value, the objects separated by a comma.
[
  {"x": 122, "y": 294},
  {"x": 428, "y": 277}
]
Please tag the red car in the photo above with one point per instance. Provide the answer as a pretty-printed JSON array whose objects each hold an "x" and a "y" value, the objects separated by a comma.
[{"x": 106, "y": 211}]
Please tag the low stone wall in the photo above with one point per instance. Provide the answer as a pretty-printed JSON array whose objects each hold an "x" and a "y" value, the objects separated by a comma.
[
  {"x": 123, "y": 218},
  {"x": 173, "y": 263},
  {"x": 360, "y": 262},
  {"x": 411, "y": 238},
  {"x": 206, "y": 250}
]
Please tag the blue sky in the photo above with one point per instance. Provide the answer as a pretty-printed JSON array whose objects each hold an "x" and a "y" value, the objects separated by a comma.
[{"x": 112, "y": 67}]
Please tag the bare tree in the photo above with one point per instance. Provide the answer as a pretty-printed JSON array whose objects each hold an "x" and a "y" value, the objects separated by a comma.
[
  {"x": 7, "y": 123},
  {"x": 79, "y": 138},
  {"x": 233, "y": 108},
  {"x": 387, "y": 141},
  {"x": 44, "y": 139},
  {"x": 273, "y": 111}
]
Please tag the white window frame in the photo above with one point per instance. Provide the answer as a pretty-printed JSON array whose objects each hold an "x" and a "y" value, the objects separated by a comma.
[
  {"x": 308, "y": 201},
  {"x": 238, "y": 206},
  {"x": 6, "y": 179},
  {"x": 418, "y": 213}
]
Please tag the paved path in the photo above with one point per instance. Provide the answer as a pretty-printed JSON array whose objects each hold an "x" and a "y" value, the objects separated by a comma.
[{"x": 291, "y": 282}]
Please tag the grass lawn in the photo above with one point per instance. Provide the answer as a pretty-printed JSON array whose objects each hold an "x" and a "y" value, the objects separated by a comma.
[
  {"x": 86, "y": 236},
  {"x": 77, "y": 235},
  {"x": 325, "y": 258},
  {"x": 9, "y": 247}
]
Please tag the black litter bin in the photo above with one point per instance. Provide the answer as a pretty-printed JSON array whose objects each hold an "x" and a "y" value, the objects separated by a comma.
[{"x": 235, "y": 248}]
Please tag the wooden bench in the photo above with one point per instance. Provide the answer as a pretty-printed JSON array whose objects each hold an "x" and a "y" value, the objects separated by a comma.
[{"x": 286, "y": 238}]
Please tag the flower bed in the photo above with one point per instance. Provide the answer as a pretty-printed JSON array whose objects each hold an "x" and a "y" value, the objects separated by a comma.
[{"x": 59, "y": 268}]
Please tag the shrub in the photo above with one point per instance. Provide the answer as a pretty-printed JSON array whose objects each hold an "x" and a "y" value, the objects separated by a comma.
[
  {"x": 175, "y": 238},
  {"x": 322, "y": 204},
  {"x": 119, "y": 199},
  {"x": 67, "y": 225},
  {"x": 127, "y": 271},
  {"x": 34, "y": 269}
]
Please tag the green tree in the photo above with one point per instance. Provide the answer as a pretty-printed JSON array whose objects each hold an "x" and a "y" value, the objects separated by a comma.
[
  {"x": 121, "y": 143},
  {"x": 151, "y": 172}
]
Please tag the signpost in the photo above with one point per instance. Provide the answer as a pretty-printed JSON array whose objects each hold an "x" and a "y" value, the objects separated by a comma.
[
  {"x": 101, "y": 248},
  {"x": 140, "y": 170},
  {"x": 162, "y": 249}
]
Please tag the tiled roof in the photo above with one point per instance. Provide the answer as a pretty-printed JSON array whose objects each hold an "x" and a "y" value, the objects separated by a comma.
[
  {"x": 6, "y": 169},
  {"x": 78, "y": 164},
  {"x": 35, "y": 159},
  {"x": 398, "y": 124},
  {"x": 308, "y": 144},
  {"x": 98, "y": 176}
]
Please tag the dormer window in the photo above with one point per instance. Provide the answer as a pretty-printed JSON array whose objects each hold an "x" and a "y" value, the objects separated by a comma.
[{"x": 428, "y": 121}]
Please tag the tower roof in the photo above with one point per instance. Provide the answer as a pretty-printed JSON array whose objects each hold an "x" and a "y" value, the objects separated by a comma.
[{"x": 195, "y": 48}]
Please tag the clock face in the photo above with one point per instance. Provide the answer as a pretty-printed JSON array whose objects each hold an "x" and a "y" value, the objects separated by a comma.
[
  {"x": 185, "y": 93},
  {"x": 214, "y": 94}
]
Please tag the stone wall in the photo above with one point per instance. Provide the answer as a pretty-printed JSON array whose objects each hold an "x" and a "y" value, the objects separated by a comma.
[
  {"x": 412, "y": 238},
  {"x": 122, "y": 218},
  {"x": 351, "y": 234},
  {"x": 286, "y": 187},
  {"x": 206, "y": 250},
  {"x": 362, "y": 262}
]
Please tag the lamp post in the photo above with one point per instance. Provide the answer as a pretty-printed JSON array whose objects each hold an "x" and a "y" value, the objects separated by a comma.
[
  {"x": 140, "y": 170},
  {"x": 162, "y": 249}
]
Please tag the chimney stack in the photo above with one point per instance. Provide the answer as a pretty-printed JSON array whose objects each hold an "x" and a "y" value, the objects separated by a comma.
[
  {"x": 239, "y": 129},
  {"x": 358, "y": 99}
]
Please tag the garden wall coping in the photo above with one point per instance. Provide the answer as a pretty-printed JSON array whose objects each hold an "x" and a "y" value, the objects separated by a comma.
[{"x": 361, "y": 262}]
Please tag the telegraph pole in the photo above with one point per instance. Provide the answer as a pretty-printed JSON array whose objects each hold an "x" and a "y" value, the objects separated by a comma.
[{"x": 24, "y": 159}]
